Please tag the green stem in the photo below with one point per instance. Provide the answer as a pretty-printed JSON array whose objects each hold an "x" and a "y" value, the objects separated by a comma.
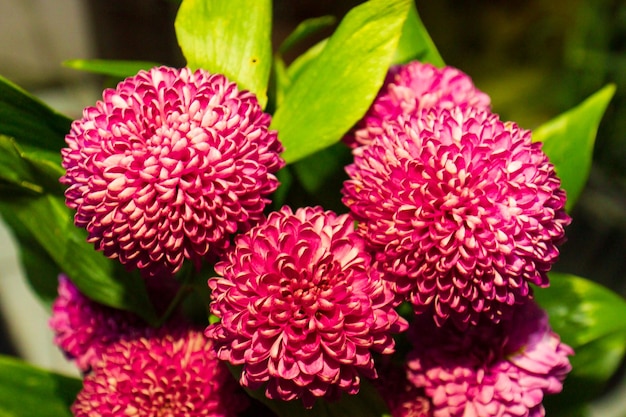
[{"x": 183, "y": 291}]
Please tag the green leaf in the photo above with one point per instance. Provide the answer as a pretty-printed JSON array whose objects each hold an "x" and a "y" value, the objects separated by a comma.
[
  {"x": 50, "y": 223},
  {"x": 40, "y": 269},
  {"x": 299, "y": 64},
  {"x": 315, "y": 170},
  {"x": 14, "y": 170},
  {"x": 336, "y": 89},
  {"x": 322, "y": 174},
  {"x": 569, "y": 138},
  {"x": 415, "y": 42},
  {"x": 26, "y": 391},
  {"x": 590, "y": 319},
  {"x": 114, "y": 68},
  {"x": 229, "y": 37},
  {"x": 28, "y": 171},
  {"x": 29, "y": 121},
  {"x": 304, "y": 30}
]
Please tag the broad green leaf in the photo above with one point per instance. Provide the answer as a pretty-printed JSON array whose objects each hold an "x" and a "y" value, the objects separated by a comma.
[
  {"x": 590, "y": 319},
  {"x": 40, "y": 269},
  {"x": 15, "y": 172},
  {"x": 304, "y": 30},
  {"x": 114, "y": 68},
  {"x": 569, "y": 138},
  {"x": 299, "y": 64},
  {"x": 27, "y": 391},
  {"x": 415, "y": 42},
  {"x": 336, "y": 89},
  {"x": 50, "y": 223},
  {"x": 282, "y": 78},
  {"x": 46, "y": 167},
  {"x": 29, "y": 121},
  {"x": 229, "y": 37},
  {"x": 28, "y": 169}
]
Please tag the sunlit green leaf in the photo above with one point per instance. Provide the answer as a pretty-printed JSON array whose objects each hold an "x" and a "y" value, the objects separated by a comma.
[
  {"x": 590, "y": 319},
  {"x": 415, "y": 42},
  {"x": 299, "y": 64},
  {"x": 229, "y": 37},
  {"x": 337, "y": 87},
  {"x": 569, "y": 138},
  {"x": 26, "y": 391},
  {"x": 304, "y": 30},
  {"x": 114, "y": 68},
  {"x": 29, "y": 121}
]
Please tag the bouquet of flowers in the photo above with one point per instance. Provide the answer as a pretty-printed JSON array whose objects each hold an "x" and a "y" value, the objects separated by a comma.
[{"x": 353, "y": 233}]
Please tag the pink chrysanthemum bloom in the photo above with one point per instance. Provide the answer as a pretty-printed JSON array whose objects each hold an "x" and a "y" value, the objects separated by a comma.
[
  {"x": 83, "y": 328},
  {"x": 300, "y": 309},
  {"x": 168, "y": 165},
  {"x": 461, "y": 209},
  {"x": 411, "y": 88},
  {"x": 164, "y": 372},
  {"x": 489, "y": 370}
]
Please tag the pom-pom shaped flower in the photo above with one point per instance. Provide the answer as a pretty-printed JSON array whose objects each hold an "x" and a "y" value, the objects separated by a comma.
[
  {"x": 168, "y": 165},
  {"x": 489, "y": 370},
  {"x": 83, "y": 328},
  {"x": 300, "y": 308},
  {"x": 413, "y": 87},
  {"x": 461, "y": 209},
  {"x": 165, "y": 372}
]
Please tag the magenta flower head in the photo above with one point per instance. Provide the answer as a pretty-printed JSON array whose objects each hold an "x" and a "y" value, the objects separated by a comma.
[
  {"x": 411, "y": 88},
  {"x": 300, "y": 308},
  {"x": 164, "y": 372},
  {"x": 489, "y": 370},
  {"x": 168, "y": 166},
  {"x": 83, "y": 328},
  {"x": 462, "y": 210}
]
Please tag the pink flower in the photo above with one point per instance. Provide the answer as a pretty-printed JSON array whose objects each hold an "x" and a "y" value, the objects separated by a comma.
[
  {"x": 462, "y": 210},
  {"x": 163, "y": 372},
  {"x": 411, "y": 88},
  {"x": 168, "y": 166},
  {"x": 300, "y": 308},
  {"x": 489, "y": 370},
  {"x": 83, "y": 328}
]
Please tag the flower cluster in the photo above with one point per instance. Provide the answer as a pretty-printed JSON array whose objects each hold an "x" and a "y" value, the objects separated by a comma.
[
  {"x": 450, "y": 209},
  {"x": 489, "y": 370},
  {"x": 168, "y": 166}
]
